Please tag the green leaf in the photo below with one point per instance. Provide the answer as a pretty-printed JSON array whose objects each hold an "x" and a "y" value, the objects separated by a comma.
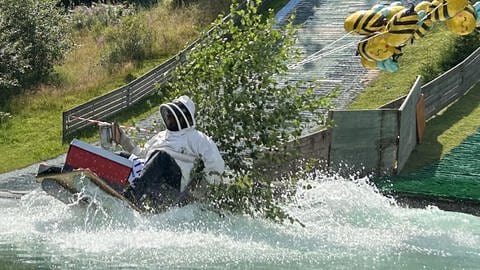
[{"x": 235, "y": 77}]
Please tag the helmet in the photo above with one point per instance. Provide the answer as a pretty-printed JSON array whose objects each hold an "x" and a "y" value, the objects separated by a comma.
[{"x": 178, "y": 114}]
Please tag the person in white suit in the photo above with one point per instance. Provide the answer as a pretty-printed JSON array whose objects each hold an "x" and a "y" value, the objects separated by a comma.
[{"x": 171, "y": 154}]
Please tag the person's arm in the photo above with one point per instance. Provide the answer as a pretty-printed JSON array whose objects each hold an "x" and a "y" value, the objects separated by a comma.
[
  {"x": 120, "y": 137},
  {"x": 212, "y": 159}
]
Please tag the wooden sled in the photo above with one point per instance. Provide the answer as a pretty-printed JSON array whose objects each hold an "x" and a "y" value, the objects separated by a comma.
[
  {"x": 12, "y": 194},
  {"x": 66, "y": 186}
]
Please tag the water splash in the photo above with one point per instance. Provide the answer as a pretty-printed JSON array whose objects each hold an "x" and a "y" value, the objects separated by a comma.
[{"x": 347, "y": 224}]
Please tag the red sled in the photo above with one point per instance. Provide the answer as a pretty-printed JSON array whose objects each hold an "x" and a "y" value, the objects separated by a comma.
[{"x": 110, "y": 167}]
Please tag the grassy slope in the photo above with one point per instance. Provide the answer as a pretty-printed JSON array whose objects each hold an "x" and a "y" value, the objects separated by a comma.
[
  {"x": 34, "y": 133},
  {"x": 390, "y": 86},
  {"x": 447, "y": 130}
]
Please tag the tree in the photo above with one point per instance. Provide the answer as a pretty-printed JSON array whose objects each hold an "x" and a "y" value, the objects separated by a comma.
[
  {"x": 32, "y": 39},
  {"x": 235, "y": 77}
]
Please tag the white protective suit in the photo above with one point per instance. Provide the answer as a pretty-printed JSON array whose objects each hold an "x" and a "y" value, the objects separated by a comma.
[{"x": 185, "y": 145}]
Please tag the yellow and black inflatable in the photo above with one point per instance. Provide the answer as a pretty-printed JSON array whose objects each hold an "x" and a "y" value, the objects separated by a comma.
[
  {"x": 365, "y": 22},
  {"x": 387, "y": 28},
  {"x": 446, "y": 9},
  {"x": 464, "y": 22},
  {"x": 402, "y": 26}
]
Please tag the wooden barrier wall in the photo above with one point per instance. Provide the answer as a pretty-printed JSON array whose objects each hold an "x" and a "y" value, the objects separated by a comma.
[
  {"x": 407, "y": 132},
  {"x": 380, "y": 141},
  {"x": 364, "y": 141},
  {"x": 453, "y": 84}
]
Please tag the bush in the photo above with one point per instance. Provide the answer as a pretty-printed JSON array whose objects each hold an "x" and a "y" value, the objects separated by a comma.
[
  {"x": 98, "y": 16},
  {"x": 4, "y": 116},
  {"x": 234, "y": 77},
  {"x": 456, "y": 52},
  {"x": 131, "y": 40},
  {"x": 33, "y": 38},
  {"x": 461, "y": 49}
]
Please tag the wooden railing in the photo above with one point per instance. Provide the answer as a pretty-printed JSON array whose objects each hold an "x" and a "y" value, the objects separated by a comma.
[
  {"x": 380, "y": 141},
  {"x": 110, "y": 104}
]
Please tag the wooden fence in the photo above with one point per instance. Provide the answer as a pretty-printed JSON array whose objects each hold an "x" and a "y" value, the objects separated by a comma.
[
  {"x": 112, "y": 103},
  {"x": 451, "y": 85},
  {"x": 366, "y": 141},
  {"x": 116, "y": 101},
  {"x": 380, "y": 141}
]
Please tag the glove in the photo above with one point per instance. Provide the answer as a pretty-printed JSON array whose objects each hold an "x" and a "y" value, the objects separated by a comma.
[{"x": 120, "y": 137}]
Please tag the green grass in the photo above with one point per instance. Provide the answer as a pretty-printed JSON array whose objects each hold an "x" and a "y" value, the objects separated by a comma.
[
  {"x": 419, "y": 58},
  {"x": 447, "y": 130},
  {"x": 427, "y": 57},
  {"x": 34, "y": 132}
]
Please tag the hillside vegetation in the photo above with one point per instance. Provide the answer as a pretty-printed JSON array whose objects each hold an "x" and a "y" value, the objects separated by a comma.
[
  {"x": 112, "y": 45},
  {"x": 30, "y": 122}
]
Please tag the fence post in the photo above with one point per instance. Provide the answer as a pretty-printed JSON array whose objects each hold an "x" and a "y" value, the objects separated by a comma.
[
  {"x": 64, "y": 126},
  {"x": 127, "y": 98}
]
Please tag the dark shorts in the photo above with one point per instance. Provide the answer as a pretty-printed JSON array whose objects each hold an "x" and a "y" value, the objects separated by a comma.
[{"x": 158, "y": 186}]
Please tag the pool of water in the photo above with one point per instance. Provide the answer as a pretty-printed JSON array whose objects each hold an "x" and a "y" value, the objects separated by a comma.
[{"x": 348, "y": 225}]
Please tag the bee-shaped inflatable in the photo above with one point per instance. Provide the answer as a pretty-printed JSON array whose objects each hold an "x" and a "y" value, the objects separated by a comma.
[
  {"x": 446, "y": 9},
  {"x": 375, "y": 48},
  {"x": 423, "y": 29},
  {"x": 424, "y": 6},
  {"x": 365, "y": 22},
  {"x": 368, "y": 64},
  {"x": 401, "y": 27},
  {"x": 464, "y": 22},
  {"x": 389, "y": 27},
  {"x": 388, "y": 10},
  {"x": 425, "y": 24}
]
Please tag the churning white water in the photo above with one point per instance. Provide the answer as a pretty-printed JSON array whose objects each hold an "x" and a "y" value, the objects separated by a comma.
[{"x": 348, "y": 225}]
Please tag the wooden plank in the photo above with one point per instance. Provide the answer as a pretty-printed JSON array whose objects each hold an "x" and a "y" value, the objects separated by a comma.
[
  {"x": 140, "y": 90},
  {"x": 420, "y": 118},
  {"x": 364, "y": 140},
  {"x": 119, "y": 98},
  {"x": 408, "y": 130},
  {"x": 107, "y": 106},
  {"x": 74, "y": 182},
  {"x": 395, "y": 104},
  {"x": 140, "y": 96},
  {"x": 110, "y": 111}
]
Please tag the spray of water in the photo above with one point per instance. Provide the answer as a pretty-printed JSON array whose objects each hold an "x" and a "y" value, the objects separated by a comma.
[{"x": 347, "y": 224}]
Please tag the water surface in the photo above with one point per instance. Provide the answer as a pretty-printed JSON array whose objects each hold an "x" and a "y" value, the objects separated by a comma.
[{"x": 348, "y": 225}]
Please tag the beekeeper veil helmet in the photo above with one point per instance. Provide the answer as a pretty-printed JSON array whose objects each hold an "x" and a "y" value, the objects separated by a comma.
[{"x": 178, "y": 114}]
